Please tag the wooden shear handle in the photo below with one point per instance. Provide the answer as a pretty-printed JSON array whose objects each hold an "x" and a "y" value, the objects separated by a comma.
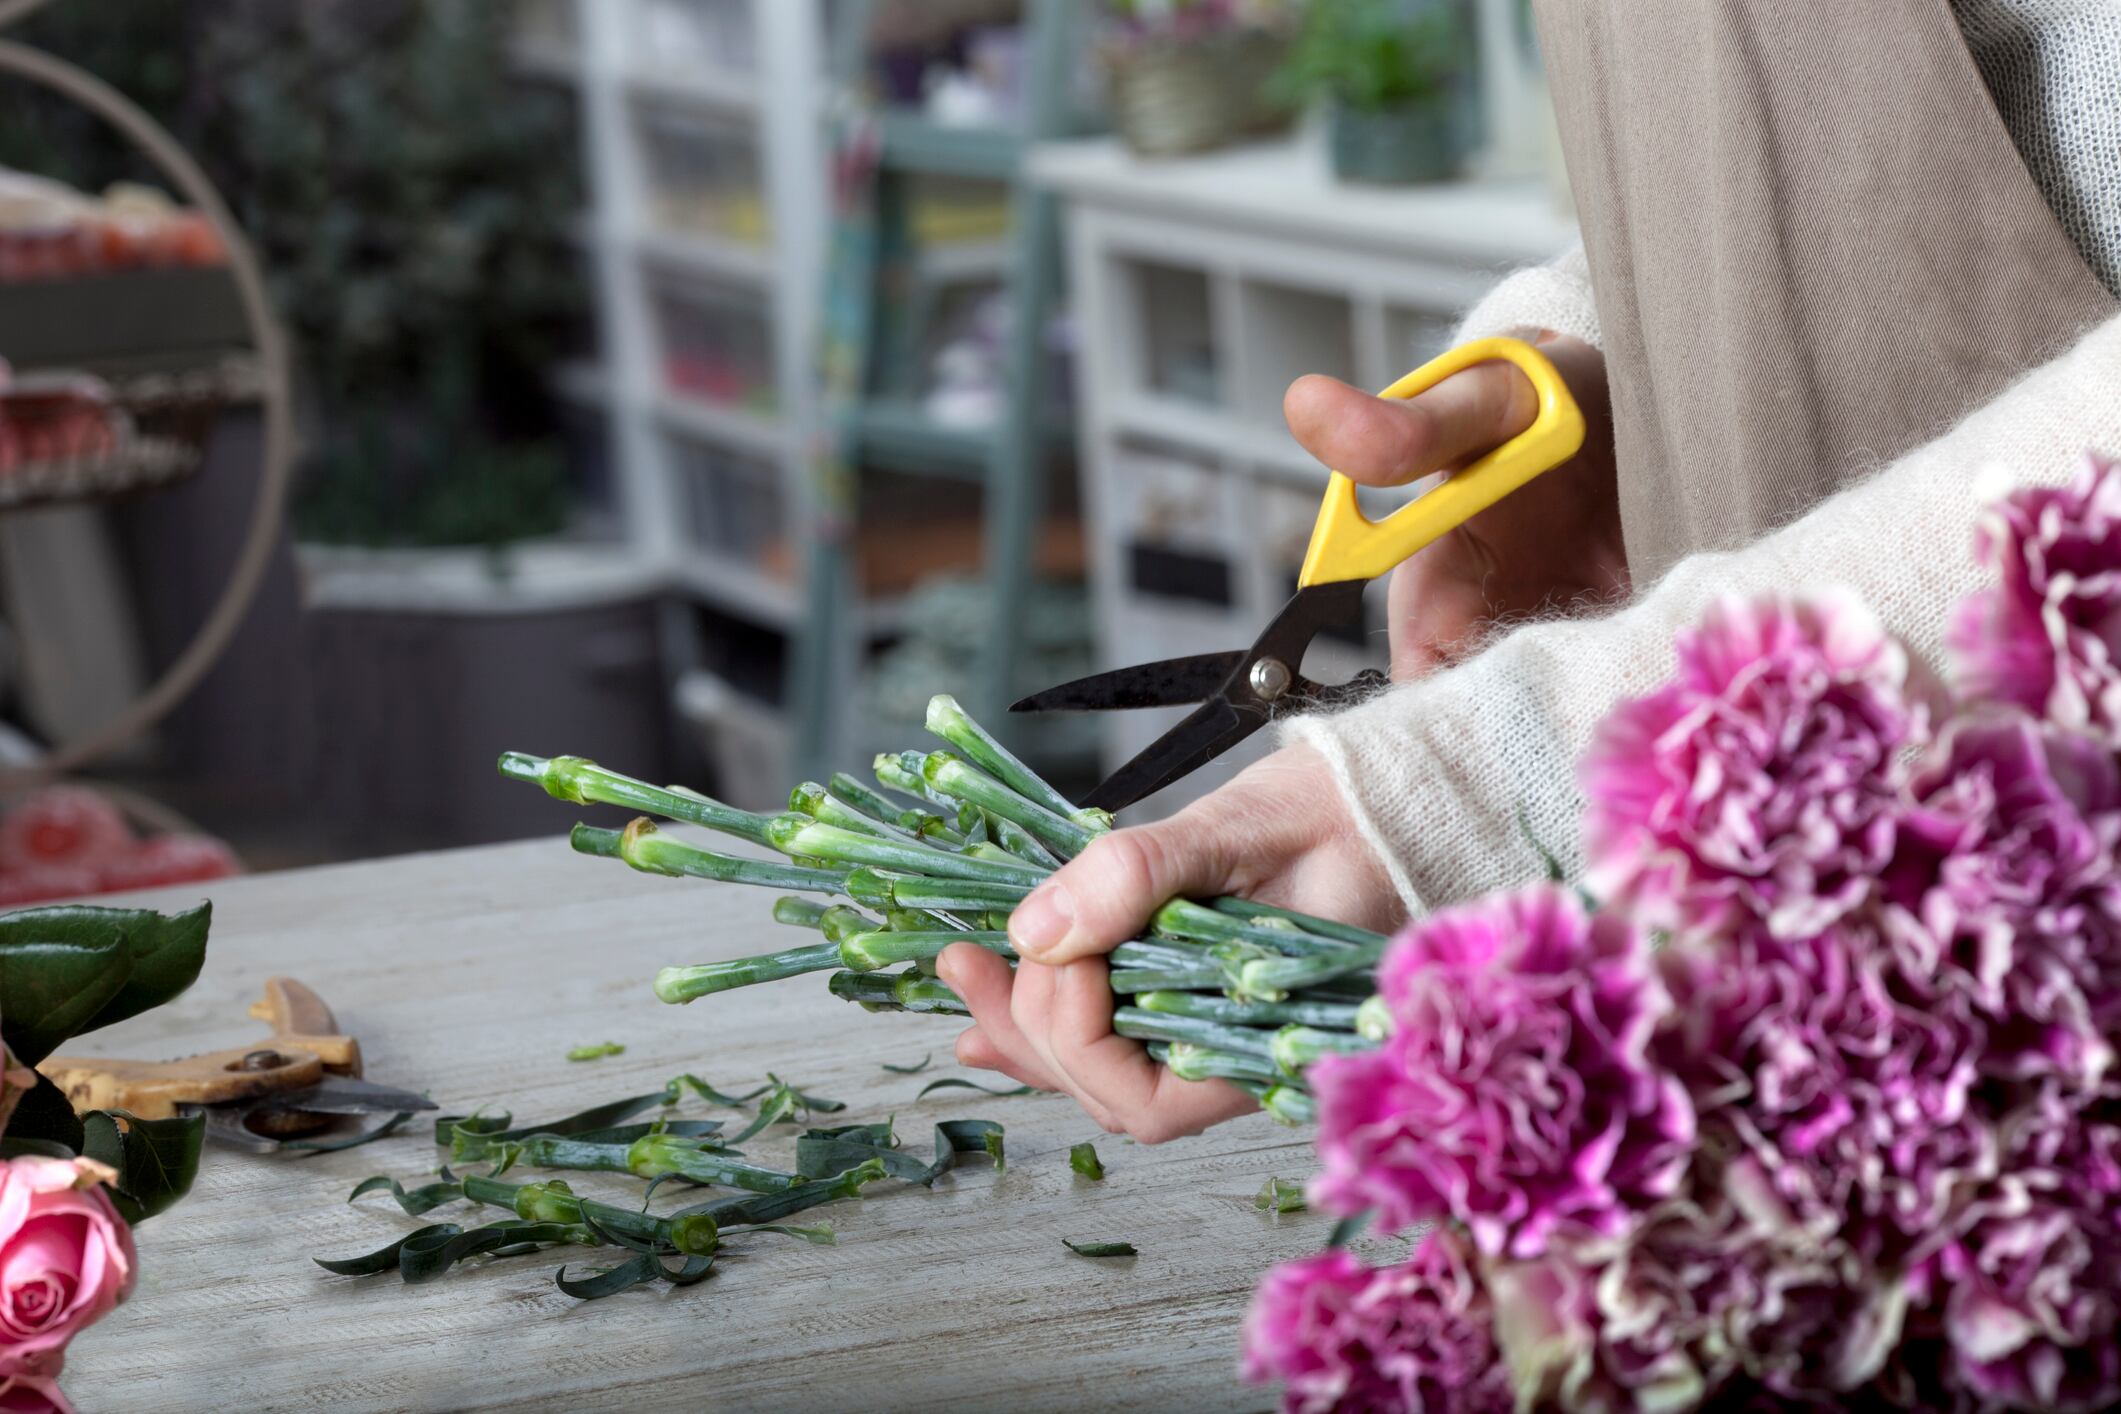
[
  {"x": 303, "y": 1046},
  {"x": 1346, "y": 544}
]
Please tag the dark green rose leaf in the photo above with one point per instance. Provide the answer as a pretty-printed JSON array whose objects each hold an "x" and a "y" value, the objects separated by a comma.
[
  {"x": 54, "y": 978},
  {"x": 156, "y": 1159}
]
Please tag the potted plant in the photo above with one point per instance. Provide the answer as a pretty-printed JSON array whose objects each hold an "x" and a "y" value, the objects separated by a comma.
[
  {"x": 1398, "y": 79},
  {"x": 1190, "y": 75}
]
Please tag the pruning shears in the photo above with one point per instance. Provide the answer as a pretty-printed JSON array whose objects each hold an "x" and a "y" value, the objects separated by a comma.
[
  {"x": 1240, "y": 691},
  {"x": 303, "y": 1078}
]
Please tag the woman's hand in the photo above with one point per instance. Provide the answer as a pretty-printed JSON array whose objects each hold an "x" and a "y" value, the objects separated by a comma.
[
  {"x": 1554, "y": 542},
  {"x": 1279, "y": 833}
]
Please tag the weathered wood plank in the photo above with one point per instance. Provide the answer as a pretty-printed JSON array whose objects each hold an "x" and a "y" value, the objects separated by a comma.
[{"x": 471, "y": 973}]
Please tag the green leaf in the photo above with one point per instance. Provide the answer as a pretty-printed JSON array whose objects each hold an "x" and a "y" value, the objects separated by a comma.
[
  {"x": 168, "y": 949},
  {"x": 1100, "y": 1249},
  {"x": 826, "y": 1153},
  {"x": 1083, "y": 1159},
  {"x": 383, "y": 1259},
  {"x": 778, "y": 1106},
  {"x": 471, "y": 1137},
  {"x": 1349, "y": 1228},
  {"x": 51, "y": 987},
  {"x": 688, "y": 1081},
  {"x": 596, "y": 1052},
  {"x": 914, "y": 1069},
  {"x": 816, "y": 1236},
  {"x": 414, "y": 1201},
  {"x": 639, "y": 1270},
  {"x": 156, "y": 1159},
  {"x": 45, "y": 1113},
  {"x": 1280, "y": 1195},
  {"x": 14, "y": 1147},
  {"x": 74, "y": 968},
  {"x": 955, "y": 1083},
  {"x": 349, "y": 1141},
  {"x": 750, "y": 1209}
]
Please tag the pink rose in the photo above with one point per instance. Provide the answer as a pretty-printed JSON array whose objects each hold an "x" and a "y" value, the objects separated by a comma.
[
  {"x": 32, "y": 1394},
  {"x": 66, "y": 1258}
]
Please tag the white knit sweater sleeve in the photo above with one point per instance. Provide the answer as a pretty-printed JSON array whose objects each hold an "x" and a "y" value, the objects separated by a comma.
[
  {"x": 1554, "y": 296},
  {"x": 1448, "y": 776}
]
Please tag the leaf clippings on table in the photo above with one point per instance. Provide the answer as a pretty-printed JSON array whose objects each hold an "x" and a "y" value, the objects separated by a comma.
[
  {"x": 499, "y": 1126},
  {"x": 914, "y": 1069},
  {"x": 349, "y": 1141},
  {"x": 758, "y": 1209},
  {"x": 1280, "y": 1195},
  {"x": 425, "y": 1253},
  {"x": 415, "y": 1201},
  {"x": 957, "y": 1083},
  {"x": 825, "y": 1152},
  {"x": 816, "y": 1236},
  {"x": 679, "y": 1084},
  {"x": 1100, "y": 1249},
  {"x": 1083, "y": 1159},
  {"x": 596, "y": 1052},
  {"x": 641, "y": 1269},
  {"x": 1348, "y": 1229}
]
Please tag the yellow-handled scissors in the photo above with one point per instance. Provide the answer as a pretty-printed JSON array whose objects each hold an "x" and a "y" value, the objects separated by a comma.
[{"x": 1241, "y": 690}]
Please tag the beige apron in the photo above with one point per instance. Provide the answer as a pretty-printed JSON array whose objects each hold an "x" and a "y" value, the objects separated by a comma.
[{"x": 1812, "y": 242}]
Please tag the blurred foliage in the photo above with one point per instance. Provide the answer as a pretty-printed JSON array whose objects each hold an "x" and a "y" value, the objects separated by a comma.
[
  {"x": 409, "y": 198},
  {"x": 1373, "y": 54}
]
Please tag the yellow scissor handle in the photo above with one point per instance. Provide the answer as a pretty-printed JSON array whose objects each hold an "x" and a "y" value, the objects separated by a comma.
[{"x": 1346, "y": 544}]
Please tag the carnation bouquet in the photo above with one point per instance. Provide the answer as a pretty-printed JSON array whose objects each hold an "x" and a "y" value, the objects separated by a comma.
[{"x": 1807, "y": 1097}]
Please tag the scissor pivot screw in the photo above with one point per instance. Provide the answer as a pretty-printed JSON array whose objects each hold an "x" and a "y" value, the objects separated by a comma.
[
  {"x": 261, "y": 1060},
  {"x": 1270, "y": 678}
]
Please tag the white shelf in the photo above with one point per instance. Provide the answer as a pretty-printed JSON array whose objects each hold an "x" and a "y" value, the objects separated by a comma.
[
  {"x": 711, "y": 256},
  {"x": 743, "y": 588},
  {"x": 701, "y": 86},
  {"x": 727, "y": 426}
]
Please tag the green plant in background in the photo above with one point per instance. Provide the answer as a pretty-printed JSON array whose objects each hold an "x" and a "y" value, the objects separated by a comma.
[
  {"x": 409, "y": 198},
  {"x": 1378, "y": 54}
]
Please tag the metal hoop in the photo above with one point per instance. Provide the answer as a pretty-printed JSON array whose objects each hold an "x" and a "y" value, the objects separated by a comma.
[{"x": 213, "y": 635}]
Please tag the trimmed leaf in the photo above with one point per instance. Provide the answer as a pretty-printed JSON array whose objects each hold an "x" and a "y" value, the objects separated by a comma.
[
  {"x": 349, "y": 1141},
  {"x": 1280, "y": 1195},
  {"x": 1100, "y": 1249},
  {"x": 469, "y": 1136},
  {"x": 383, "y": 1259},
  {"x": 53, "y": 984},
  {"x": 639, "y": 1270},
  {"x": 688, "y": 1081},
  {"x": 955, "y": 1083},
  {"x": 15, "y": 1146},
  {"x": 914, "y": 1069},
  {"x": 816, "y": 1236},
  {"x": 414, "y": 1201},
  {"x": 1083, "y": 1159},
  {"x": 1348, "y": 1229},
  {"x": 596, "y": 1052},
  {"x": 751, "y": 1209},
  {"x": 156, "y": 1159},
  {"x": 825, "y": 1153}
]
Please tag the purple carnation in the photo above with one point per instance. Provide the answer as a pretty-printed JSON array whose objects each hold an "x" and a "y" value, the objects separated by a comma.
[
  {"x": 2047, "y": 637},
  {"x": 1516, "y": 1093},
  {"x": 1725, "y": 1298},
  {"x": 2028, "y": 1277},
  {"x": 1760, "y": 782},
  {"x": 1834, "y": 1068},
  {"x": 2014, "y": 836},
  {"x": 1342, "y": 1336}
]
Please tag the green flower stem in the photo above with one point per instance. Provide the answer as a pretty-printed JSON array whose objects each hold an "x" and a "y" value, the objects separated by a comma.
[
  {"x": 893, "y": 772},
  {"x": 1019, "y": 841},
  {"x": 1373, "y": 1019},
  {"x": 552, "y": 1201},
  {"x": 1289, "y": 1105},
  {"x": 1330, "y": 1016},
  {"x": 684, "y": 984},
  {"x": 582, "y": 781},
  {"x": 1129, "y": 981},
  {"x": 1295, "y": 1047},
  {"x": 655, "y": 1155},
  {"x": 652, "y": 851},
  {"x": 1323, "y": 927},
  {"x": 846, "y": 788},
  {"x": 594, "y": 840},
  {"x": 927, "y": 825},
  {"x": 905, "y": 991},
  {"x": 868, "y": 952},
  {"x": 839, "y": 923},
  {"x": 1235, "y": 1040},
  {"x": 953, "y": 724},
  {"x": 797, "y": 912},
  {"x": 801, "y": 836},
  {"x": 811, "y": 799},
  {"x": 955, "y": 777},
  {"x": 1198, "y": 923},
  {"x": 1189, "y": 1062},
  {"x": 884, "y": 890},
  {"x": 1265, "y": 977}
]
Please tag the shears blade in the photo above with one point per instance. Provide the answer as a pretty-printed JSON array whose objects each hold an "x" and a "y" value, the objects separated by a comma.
[
  {"x": 1168, "y": 682},
  {"x": 1206, "y": 733}
]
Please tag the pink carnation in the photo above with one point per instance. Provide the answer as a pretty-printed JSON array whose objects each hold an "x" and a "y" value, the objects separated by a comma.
[
  {"x": 2013, "y": 841},
  {"x": 1760, "y": 782},
  {"x": 2047, "y": 637},
  {"x": 1726, "y": 1300},
  {"x": 1835, "y": 1069},
  {"x": 1516, "y": 1093},
  {"x": 1342, "y": 1336}
]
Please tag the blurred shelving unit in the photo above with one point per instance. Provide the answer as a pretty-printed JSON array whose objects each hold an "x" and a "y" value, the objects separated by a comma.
[
  {"x": 705, "y": 146},
  {"x": 1202, "y": 287}
]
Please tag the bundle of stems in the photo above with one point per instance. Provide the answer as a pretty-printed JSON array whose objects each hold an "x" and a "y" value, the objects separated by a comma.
[{"x": 939, "y": 851}]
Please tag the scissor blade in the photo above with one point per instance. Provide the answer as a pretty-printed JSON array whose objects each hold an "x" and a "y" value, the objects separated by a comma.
[
  {"x": 1204, "y": 735},
  {"x": 1169, "y": 682},
  {"x": 344, "y": 1095}
]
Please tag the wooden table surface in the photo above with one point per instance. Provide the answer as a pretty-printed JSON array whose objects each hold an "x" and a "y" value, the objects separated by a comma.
[{"x": 470, "y": 974}]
